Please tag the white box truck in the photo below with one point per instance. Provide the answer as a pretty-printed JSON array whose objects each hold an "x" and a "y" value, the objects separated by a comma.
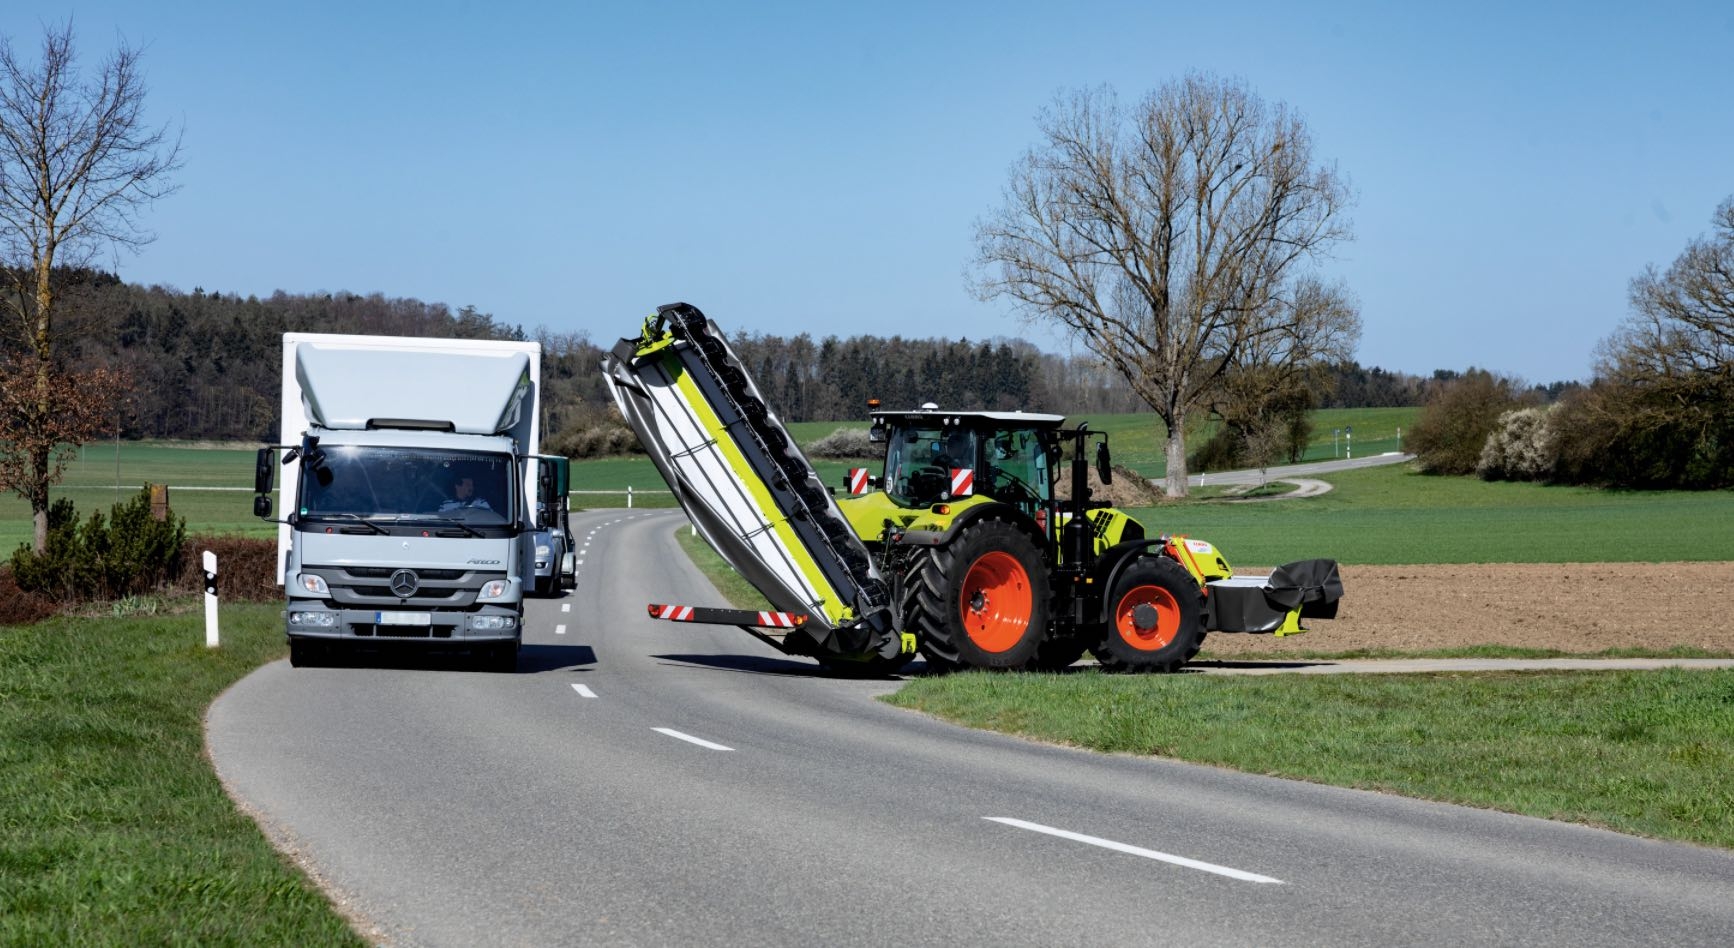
[{"x": 409, "y": 493}]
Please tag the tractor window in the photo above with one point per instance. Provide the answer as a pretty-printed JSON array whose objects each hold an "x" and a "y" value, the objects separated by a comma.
[
  {"x": 919, "y": 463},
  {"x": 1017, "y": 469}
]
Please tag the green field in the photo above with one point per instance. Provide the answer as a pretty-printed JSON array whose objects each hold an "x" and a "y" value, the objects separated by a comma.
[
  {"x": 1392, "y": 515},
  {"x": 113, "y": 829}
]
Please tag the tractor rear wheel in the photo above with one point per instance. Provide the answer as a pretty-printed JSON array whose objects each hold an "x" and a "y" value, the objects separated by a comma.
[
  {"x": 980, "y": 601},
  {"x": 1060, "y": 652},
  {"x": 1155, "y": 619}
]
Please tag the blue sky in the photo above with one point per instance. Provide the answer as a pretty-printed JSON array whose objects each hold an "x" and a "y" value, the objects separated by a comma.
[{"x": 819, "y": 167}]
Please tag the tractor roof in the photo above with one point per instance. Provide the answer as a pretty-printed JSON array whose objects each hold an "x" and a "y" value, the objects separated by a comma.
[{"x": 970, "y": 419}]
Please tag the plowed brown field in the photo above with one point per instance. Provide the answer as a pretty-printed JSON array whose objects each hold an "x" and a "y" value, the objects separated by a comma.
[{"x": 1572, "y": 607}]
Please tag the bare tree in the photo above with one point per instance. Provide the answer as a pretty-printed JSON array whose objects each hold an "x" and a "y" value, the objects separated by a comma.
[
  {"x": 78, "y": 164},
  {"x": 1175, "y": 240},
  {"x": 1682, "y": 321}
]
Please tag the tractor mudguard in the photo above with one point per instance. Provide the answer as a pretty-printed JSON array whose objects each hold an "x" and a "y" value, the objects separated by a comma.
[
  {"x": 1006, "y": 512},
  {"x": 746, "y": 486}
]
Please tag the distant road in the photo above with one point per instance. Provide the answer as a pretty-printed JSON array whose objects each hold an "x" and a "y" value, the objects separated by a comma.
[{"x": 1293, "y": 471}]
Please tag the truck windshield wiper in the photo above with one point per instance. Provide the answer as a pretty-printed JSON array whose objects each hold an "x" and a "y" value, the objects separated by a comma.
[
  {"x": 358, "y": 518},
  {"x": 472, "y": 531}
]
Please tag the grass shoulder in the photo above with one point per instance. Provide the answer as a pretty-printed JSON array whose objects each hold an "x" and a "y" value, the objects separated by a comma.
[
  {"x": 113, "y": 827},
  {"x": 1637, "y": 752}
]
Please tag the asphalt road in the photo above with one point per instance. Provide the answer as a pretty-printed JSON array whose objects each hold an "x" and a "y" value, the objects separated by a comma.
[
  {"x": 1290, "y": 471},
  {"x": 639, "y": 782}
]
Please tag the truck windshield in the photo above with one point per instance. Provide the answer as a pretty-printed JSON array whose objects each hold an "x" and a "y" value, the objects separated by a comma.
[
  {"x": 919, "y": 463},
  {"x": 368, "y": 481}
]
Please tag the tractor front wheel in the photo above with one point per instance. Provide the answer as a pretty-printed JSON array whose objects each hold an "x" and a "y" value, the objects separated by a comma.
[
  {"x": 980, "y": 601},
  {"x": 1155, "y": 619}
]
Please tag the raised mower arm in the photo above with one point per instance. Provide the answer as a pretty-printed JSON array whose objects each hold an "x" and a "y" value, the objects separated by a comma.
[{"x": 746, "y": 486}]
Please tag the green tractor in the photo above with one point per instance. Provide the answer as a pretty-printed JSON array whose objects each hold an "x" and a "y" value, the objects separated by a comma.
[
  {"x": 960, "y": 548},
  {"x": 992, "y": 569}
]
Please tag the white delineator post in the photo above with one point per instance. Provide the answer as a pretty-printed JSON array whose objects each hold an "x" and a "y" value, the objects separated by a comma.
[{"x": 210, "y": 563}]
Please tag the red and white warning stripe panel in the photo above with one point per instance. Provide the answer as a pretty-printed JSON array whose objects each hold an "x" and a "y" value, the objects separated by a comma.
[
  {"x": 857, "y": 480},
  {"x": 962, "y": 481},
  {"x": 709, "y": 616}
]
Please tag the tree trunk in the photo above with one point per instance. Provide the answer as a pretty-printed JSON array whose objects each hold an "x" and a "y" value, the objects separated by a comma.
[
  {"x": 1175, "y": 449},
  {"x": 39, "y": 497}
]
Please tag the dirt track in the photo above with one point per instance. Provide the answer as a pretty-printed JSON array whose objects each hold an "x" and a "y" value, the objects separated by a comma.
[{"x": 1573, "y": 607}]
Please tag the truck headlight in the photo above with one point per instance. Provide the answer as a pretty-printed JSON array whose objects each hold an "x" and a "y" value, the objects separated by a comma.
[
  {"x": 493, "y": 589},
  {"x": 493, "y": 623},
  {"x": 315, "y": 584},
  {"x": 321, "y": 620},
  {"x": 543, "y": 549}
]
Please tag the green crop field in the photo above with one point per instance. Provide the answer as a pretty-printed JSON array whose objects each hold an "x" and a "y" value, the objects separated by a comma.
[{"x": 1392, "y": 515}]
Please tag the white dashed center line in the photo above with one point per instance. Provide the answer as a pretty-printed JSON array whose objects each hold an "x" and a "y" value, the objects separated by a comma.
[
  {"x": 671, "y": 732},
  {"x": 559, "y": 630},
  {"x": 565, "y": 607},
  {"x": 1136, "y": 850},
  {"x": 584, "y": 691}
]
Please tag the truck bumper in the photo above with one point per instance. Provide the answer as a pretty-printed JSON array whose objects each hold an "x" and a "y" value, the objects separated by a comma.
[{"x": 486, "y": 624}]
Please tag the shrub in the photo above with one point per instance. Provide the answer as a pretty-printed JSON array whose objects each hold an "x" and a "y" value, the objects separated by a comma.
[
  {"x": 1521, "y": 448},
  {"x": 1458, "y": 417},
  {"x": 125, "y": 553},
  {"x": 846, "y": 443},
  {"x": 1667, "y": 433},
  {"x": 246, "y": 568}
]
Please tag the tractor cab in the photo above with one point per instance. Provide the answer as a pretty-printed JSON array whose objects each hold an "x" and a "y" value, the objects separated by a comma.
[{"x": 944, "y": 457}]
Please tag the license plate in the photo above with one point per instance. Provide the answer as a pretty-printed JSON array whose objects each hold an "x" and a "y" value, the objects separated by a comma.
[{"x": 403, "y": 618}]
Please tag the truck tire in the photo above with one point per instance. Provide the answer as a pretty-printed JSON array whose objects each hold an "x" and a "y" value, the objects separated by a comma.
[
  {"x": 1155, "y": 618},
  {"x": 304, "y": 653},
  {"x": 500, "y": 658},
  {"x": 980, "y": 601}
]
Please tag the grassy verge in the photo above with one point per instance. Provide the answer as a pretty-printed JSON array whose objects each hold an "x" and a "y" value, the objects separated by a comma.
[
  {"x": 113, "y": 828},
  {"x": 1638, "y": 752}
]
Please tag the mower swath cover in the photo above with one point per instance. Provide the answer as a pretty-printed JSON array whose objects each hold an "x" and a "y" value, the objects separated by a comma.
[{"x": 745, "y": 484}]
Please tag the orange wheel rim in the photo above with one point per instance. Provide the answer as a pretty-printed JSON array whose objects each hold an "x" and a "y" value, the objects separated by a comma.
[
  {"x": 1151, "y": 628},
  {"x": 996, "y": 602}
]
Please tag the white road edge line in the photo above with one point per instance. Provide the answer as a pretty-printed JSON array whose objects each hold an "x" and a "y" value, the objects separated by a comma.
[
  {"x": 671, "y": 732},
  {"x": 1135, "y": 850},
  {"x": 584, "y": 691}
]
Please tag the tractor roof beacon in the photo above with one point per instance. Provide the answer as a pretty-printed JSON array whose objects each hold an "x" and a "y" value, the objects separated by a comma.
[{"x": 960, "y": 548}]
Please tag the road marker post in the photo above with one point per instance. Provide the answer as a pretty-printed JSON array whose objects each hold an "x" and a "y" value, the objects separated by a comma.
[{"x": 210, "y": 563}]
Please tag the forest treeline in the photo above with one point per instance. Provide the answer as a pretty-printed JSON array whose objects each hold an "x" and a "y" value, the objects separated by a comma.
[{"x": 208, "y": 365}]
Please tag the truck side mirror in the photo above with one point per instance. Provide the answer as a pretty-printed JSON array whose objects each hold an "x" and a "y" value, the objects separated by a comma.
[
  {"x": 1104, "y": 467},
  {"x": 265, "y": 470},
  {"x": 262, "y": 505}
]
